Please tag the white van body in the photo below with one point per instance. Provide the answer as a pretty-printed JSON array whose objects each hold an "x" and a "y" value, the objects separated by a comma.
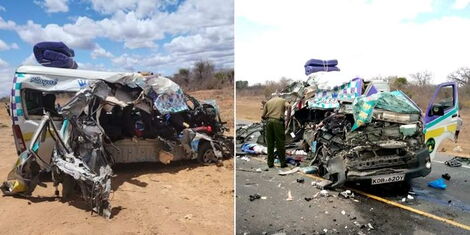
[{"x": 33, "y": 84}]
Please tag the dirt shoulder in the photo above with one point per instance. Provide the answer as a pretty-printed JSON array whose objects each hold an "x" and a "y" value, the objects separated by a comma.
[
  {"x": 180, "y": 198},
  {"x": 249, "y": 108}
]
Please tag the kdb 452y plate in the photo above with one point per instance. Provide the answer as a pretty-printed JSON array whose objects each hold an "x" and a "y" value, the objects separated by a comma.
[{"x": 383, "y": 179}]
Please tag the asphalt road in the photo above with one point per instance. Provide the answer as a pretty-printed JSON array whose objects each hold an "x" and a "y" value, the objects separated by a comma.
[
  {"x": 452, "y": 203},
  {"x": 346, "y": 216}
]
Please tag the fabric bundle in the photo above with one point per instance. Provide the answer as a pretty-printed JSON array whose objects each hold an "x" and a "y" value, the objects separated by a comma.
[
  {"x": 315, "y": 65},
  {"x": 54, "y": 54}
]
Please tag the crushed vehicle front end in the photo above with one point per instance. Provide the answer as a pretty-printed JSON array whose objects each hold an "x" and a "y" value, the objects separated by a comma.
[{"x": 377, "y": 139}]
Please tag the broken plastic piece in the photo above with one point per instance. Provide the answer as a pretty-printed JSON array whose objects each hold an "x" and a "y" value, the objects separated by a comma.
[
  {"x": 289, "y": 196},
  {"x": 292, "y": 171},
  {"x": 439, "y": 184},
  {"x": 446, "y": 176},
  {"x": 254, "y": 197},
  {"x": 309, "y": 169}
]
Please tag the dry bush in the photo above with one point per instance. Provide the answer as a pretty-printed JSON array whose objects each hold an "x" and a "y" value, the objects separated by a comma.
[{"x": 204, "y": 76}]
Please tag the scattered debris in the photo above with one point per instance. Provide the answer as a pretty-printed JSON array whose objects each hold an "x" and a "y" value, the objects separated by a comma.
[
  {"x": 346, "y": 194},
  {"x": 301, "y": 180},
  {"x": 309, "y": 169},
  {"x": 439, "y": 184},
  {"x": 292, "y": 171},
  {"x": 409, "y": 197},
  {"x": 188, "y": 216},
  {"x": 370, "y": 226},
  {"x": 264, "y": 198},
  {"x": 324, "y": 193},
  {"x": 458, "y": 148},
  {"x": 289, "y": 196},
  {"x": 343, "y": 212},
  {"x": 245, "y": 158},
  {"x": 254, "y": 197},
  {"x": 446, "y": 176},
  {"x": 454, "y": 162},
  {"x": 324, "y": 183},
  {"x": 308, "y": 199}
]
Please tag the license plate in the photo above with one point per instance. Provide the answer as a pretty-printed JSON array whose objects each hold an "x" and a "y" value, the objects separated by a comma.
[{"x": 387, "y": 179}]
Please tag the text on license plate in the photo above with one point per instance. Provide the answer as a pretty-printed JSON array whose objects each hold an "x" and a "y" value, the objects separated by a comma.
[{"x": 387, "y": 179}]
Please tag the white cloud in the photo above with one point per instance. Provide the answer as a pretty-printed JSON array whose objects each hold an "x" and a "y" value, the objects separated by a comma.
[
  {"x": 2, "y": 8},
  {"x": 96, "y": 67},
  {"x": 100, "y": 52},
  {"x": 30, "y": 60},
  {"x": 3, "y": 63},
  {"x": 142, "y": 8},
  {"x": 8, "y": 25},
  {"x": 4, "y": 46},
  {"x": 54, "y": 6},
  {"x": 33, "y": 33},
  {"x": 191, "y": 17},
  {"x": 202, "y": 30},
  {"x": 211, "y": 38},
  {"x": 6, "y": 78},
  {"x": 461, "y": 4},
  {"x": 376, "y": 38}
]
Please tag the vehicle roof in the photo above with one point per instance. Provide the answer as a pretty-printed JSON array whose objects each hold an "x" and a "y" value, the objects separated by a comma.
[{"x": 73, "y": 73}]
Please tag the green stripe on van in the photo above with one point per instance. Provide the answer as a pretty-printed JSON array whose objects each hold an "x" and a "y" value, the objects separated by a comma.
[
  {"x": 437, "y": 120},
  {"x": 18, "y": 86}
]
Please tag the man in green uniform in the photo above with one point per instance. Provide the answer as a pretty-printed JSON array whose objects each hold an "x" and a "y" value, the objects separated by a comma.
[{"x": 273, "y": 113}]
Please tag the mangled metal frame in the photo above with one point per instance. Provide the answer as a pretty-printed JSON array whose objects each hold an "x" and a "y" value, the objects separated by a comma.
[
  {"x": 79, "y": 157},
  {"x": 327, "y": 137}
]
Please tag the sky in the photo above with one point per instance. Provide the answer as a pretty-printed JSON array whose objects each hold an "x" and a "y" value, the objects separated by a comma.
[
  {"x": 126, "y": 35},
  {"x": 369, "y": 38}
]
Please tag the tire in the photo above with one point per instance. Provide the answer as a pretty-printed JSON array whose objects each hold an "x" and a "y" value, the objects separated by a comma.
[
  {"x": 206, "y": 154},
  {"x": 68, "y": 187}
]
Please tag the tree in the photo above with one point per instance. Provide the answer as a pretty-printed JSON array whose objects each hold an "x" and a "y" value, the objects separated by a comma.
[
  {"x": 203, "y": 70},
  {"x": 461, "y": 76},
  {"x": 241, "y": 84},
  {"x": 398, "y": 83},
  {"x": 421, "y": 78}
]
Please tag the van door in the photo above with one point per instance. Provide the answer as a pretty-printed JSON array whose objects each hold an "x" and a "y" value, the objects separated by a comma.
[
  {"x": 35, "y": 103},
  {"x": 442, "y": 119}
]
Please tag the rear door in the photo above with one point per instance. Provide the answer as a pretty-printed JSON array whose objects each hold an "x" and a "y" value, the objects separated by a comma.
[{"x": 442, "y": 120}]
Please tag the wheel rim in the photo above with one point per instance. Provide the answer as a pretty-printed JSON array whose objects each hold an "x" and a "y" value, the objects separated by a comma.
[{"x": 208, "y": 156}]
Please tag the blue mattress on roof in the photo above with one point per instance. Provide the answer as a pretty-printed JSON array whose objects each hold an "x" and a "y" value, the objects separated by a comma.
[{"x": 54, "y": 54}]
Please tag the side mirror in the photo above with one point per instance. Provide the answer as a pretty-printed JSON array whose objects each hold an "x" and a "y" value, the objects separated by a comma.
[{"x": 436, "y": 110}]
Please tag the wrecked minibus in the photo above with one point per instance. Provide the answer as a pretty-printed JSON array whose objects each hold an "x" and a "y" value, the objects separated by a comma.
[
  {"x": 76, "y": 124},
  {"x": 361, "y": 131}
]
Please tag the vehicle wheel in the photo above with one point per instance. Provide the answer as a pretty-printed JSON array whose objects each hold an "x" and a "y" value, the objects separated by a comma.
[
  {"x": 206, "y": 154},
  {"x": 68, "y": 187}
]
